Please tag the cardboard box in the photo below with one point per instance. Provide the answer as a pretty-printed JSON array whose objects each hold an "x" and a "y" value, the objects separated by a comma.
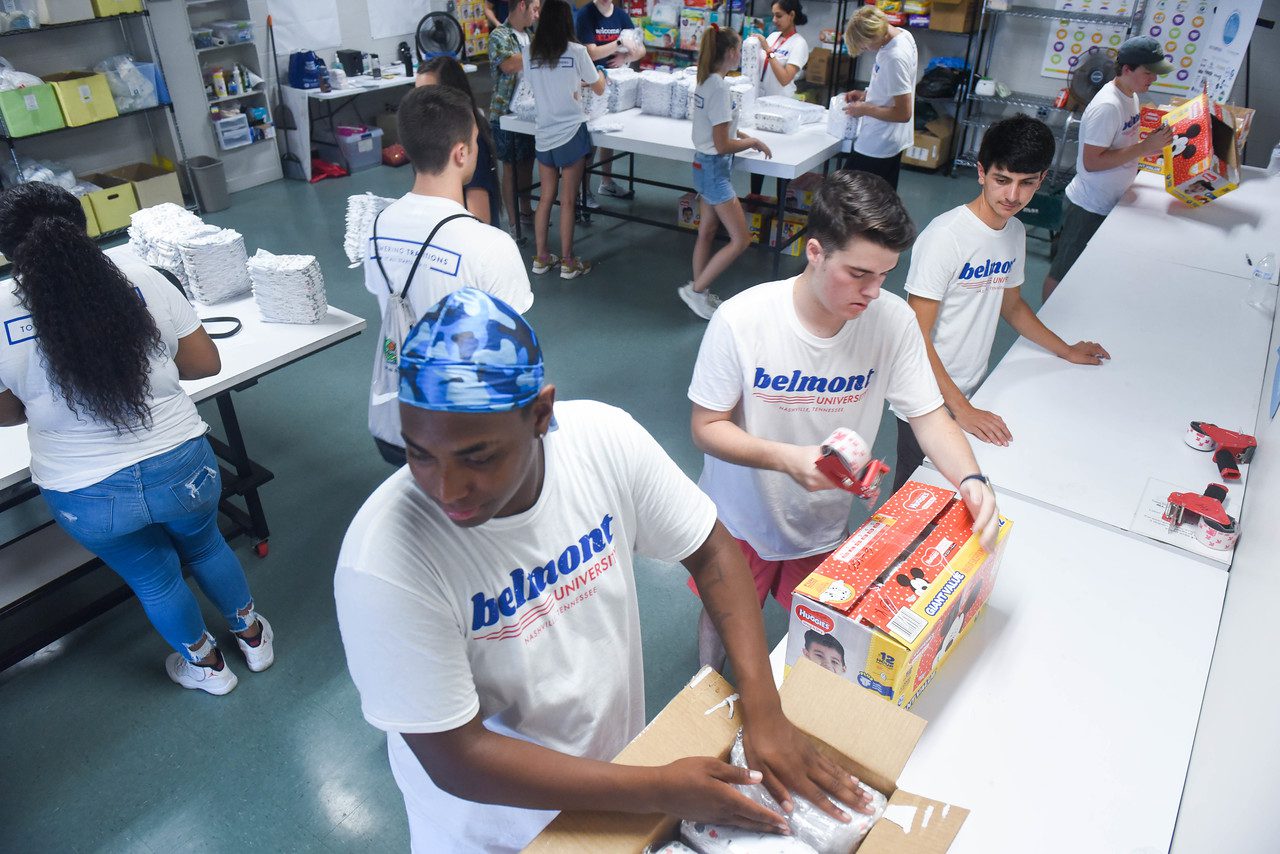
[
  {"x": 800, "y": 191},
  {"x": 929, "y": 150},
  {"x": 64, "y": 11},
  {"x": 91, "y": 221},
  {"x": 824, "y": 65},
  {"x": 953, "y": 16},
  {"x": 1203, "y": 161},
  {"x": 83, "y": 96},
  {"x": 30, "y": 110},
  {"x": 107, "y": 8},
  {"x": 1150, "y": 117},
  {"x": 893, "y": 601},
  {"x": 151, "y": 185},
  {"x": 114, "y": 203},
  {"x": 792, "y": 224},
  {"x": 689, "y": 211},
  {"x": 867, "y": 738}
]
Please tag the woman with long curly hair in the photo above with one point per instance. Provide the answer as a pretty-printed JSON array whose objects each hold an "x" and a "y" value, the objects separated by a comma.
[{"x": 92, "y": 361}]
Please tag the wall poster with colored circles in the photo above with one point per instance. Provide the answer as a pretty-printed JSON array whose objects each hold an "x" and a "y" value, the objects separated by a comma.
[
  {"x": 1180, "y": 26},
  {"x": 1070, "y": 42}
]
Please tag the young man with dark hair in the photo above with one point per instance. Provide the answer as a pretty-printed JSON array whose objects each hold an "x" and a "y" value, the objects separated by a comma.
[
  {"x": 439, "y": 132},
  {"x": 966, "y": 273},
  {"x": 487, "y": 602},
  {"x": 513, "y": 150},
  {"x": 783, "y": 364},
  {"x": 1109, "y": 151},
  {"x": 598, "y": 25},
  {"x": 824, "y": 651}
]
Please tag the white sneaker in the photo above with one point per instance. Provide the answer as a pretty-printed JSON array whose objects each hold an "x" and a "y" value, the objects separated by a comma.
[
  {"x": 262, "y": 656},
  {"x": 702, "y": 304},
  {"x": 591, "y": 202},
  {"x": 194, "y": 676}
]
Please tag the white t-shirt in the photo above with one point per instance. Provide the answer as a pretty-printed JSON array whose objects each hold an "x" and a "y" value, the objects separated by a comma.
[
  {"x": 785, "y": 384},
  {"x": 893, "y": 74},
  {"x": 966, "y": 265},
  {"x": 465, "y": 253},
  {"x": 1110, "y": 121},
  {"x": 69, "y": 450},
  {"x": 557, "y": 90},
  {"x": 530, "y": 621},
  {"x": 712, "y": 105},
  {"x": 793, "y": 50}
]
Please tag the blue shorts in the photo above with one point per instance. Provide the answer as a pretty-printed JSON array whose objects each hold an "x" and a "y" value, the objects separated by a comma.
[
  {"x": 570, "y": 153},
  {"x": 711, "y": 177},
  {"x": 509, "y": 146}
]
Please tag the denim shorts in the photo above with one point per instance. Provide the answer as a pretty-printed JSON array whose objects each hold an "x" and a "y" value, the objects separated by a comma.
[
  {"x": 509, "y": 146},
  {"x": 711, "y": 177},
  {"x": 570, "y": 153}
]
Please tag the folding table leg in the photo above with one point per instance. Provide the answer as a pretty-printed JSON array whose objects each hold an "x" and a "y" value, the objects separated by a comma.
[
  {"x": 781, "y": 213},
  {"x": 239, "y": 459}
]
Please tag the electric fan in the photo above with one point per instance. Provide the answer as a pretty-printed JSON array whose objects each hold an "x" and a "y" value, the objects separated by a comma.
[
  {"x": 440, "y": 34},
  {"x": 1094, "y": 70}
]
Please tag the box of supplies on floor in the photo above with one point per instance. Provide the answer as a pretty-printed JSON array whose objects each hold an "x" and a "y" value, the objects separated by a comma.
[
  {"x": 886, "y": 609},
  {"x": 869, "y": 739}
]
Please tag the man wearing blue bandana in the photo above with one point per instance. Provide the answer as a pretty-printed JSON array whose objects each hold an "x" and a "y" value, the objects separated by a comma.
[{"x": 487, "y": 603}]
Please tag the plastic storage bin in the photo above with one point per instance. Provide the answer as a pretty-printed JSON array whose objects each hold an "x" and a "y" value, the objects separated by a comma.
[
  {"x": 208, "y": 183},
  {"x": 151, "y": 184},
  {"x": 203, "y": 37},
  {"x": 152, "y": 72},
  {"x": 84, "y": 97},
  {"x": 63, "y": 11},
  {"x": 114, "y": 203},
  {"x": 107, "y": 8},
  {"x": 354, "y": 152},
  {"x": 31, "y": 110},
  {"x": 232, "y": 132},
  {"x": 233, "y": 32}
]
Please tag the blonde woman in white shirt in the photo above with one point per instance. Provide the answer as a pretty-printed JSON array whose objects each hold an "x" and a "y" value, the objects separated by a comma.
[{"x": 886, "y": 105}]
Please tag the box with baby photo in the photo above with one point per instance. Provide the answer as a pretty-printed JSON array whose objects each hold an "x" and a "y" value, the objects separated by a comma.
[{"x": 886, "y": 609}]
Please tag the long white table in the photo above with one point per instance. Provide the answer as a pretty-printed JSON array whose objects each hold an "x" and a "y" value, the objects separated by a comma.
[
  {"x": 1185, "y": 347},
  {"x": 1065, "y": 718},
  {"x": 1221, "y": 237}
]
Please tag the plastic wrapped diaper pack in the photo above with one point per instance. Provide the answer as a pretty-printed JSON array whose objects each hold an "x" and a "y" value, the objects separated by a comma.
[
  {"x": 656, "y": 92},
  {"x": 777, "y": 120},
  {"x": 808, "y": 113},
  {"x": 723, "y": 839},
  {"x": 840, "y": 124},
  {"x": 752, "y": 60},
  {"x": 623, "y": 89}
]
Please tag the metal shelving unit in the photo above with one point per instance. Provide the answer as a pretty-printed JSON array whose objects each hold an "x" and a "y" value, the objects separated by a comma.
[
  {"x": 972, "y": 117},
  {"x": 202, "y": 12}
]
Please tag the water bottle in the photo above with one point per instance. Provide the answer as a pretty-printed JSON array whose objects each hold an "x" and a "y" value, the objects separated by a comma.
[
  {"x": 1274, "y": 167},
  {"x": 1262, "y": 291}
]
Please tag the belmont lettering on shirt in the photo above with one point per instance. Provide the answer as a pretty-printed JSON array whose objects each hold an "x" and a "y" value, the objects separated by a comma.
[
  {"x": 990, "y": 272},
  {"x": 1130, "y": 122},
  {"x": 796, "y": 381},
  {"x": 527, "y": 587}
]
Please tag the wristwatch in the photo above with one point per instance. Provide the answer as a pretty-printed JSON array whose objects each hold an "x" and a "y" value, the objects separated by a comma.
[{"x": 979, "y": 477}]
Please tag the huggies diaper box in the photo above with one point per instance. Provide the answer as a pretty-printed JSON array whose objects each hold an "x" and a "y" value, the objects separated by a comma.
[{"x": 886, "y": 608}]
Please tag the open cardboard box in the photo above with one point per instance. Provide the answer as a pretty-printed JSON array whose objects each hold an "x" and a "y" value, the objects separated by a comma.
[
  {"x": 865, "y": 736},
  {"x": 1202, "y": 163},
  {"x": 899, "y": 594},
  {"x": 1151, "y": 116}
]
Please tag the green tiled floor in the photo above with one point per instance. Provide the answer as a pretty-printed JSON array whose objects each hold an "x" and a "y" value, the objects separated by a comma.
[{"x": 100, "y": 752}]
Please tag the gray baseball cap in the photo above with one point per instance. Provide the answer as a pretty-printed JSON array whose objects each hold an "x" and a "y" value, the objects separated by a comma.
[{"x": 1144, "y": 51}]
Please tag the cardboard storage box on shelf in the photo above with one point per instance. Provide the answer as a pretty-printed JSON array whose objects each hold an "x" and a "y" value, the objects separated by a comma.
[
  {"x": 868, "y": 738},
  {"x": 1151, "y": 116},
  {"x": 151, "y": 184},
  {"x": 30, "y": 110},
  {"x": 91, "y": 221},
  {"x": 929, "y": 149},
  {"x": 898, "y": 594},
  {"x": 83, "y": 96},
  {"x": 824, "y": 66},
  {"x": 953, "y": 16},
  {"x": 114, "y": 203},
  {"x": 107, "y": 8},
  {"x": 63, "y": 11},
  {"x": 1203, "y": 161}
]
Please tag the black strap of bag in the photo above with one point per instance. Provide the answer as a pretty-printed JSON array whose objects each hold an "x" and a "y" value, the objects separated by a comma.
[{"x": 416, "y": 261}]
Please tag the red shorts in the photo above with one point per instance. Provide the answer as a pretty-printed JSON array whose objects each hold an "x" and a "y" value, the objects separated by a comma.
[{"x": 778, "y": 577}]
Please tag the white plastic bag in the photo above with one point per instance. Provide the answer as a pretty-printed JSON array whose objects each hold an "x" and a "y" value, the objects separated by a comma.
[
  {"x": 12, "y": 78},
  {"x": 522, "y": 103}
]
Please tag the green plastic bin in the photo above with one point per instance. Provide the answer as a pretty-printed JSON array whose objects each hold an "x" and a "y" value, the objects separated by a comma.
[{"x": 30, "y": 110}]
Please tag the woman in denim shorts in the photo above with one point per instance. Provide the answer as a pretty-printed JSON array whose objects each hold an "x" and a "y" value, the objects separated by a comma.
[{"x": 716, "y": 139}]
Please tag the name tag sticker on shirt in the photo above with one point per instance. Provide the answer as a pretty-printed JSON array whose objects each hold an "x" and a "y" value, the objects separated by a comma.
[
  {"x": 444, "y": 260},
  {"x": 566, "y": 61},
  {"x": 699, "y": 102},
  {"x": 19, "y": 329}
]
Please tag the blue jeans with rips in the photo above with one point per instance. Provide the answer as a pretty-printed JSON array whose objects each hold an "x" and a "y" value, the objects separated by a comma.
[{"x": 145, "y": 522}]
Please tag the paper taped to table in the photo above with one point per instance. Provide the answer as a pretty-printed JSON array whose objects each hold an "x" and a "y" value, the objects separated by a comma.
[{"x": 811, "y": 825}]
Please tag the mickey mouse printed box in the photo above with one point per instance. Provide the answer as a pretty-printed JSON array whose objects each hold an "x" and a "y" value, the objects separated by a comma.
[
  {"x": 886, "y": 608},
  {"x": 1202, "y": 163}
]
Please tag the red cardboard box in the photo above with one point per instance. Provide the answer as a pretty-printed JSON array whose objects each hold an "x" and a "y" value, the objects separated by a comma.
[{"x": 1202, "y": 163}]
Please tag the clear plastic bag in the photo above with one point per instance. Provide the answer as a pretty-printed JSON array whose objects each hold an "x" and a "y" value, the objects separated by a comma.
[
  {"x": 723, "y": 839},
  {"x": 130, "y": 88},
  {"x": 12, "y": 78},
  {"x": 522, "y": 103}
]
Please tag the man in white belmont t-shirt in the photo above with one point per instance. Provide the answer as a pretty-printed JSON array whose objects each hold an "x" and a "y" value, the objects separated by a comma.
[
  {"x": 967, "y": 272},
  {"x": 784, "y": 364},
  {"x": 1109, "y": 151},
  {"x": 487, "y": 603},
  {"x": 438, "y": 130}
]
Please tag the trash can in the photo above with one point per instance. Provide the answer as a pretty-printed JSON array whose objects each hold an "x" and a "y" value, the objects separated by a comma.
[{"x": 209, "y": 183}]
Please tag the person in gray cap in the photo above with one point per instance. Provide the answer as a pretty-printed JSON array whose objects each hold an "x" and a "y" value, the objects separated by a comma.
[{"x": 1109, "y": 150}]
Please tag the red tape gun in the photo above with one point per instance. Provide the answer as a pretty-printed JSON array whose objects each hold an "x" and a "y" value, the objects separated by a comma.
[
  {"x": 1214, "y": 528},
  {"x": 1230, "y": 449},
  {"x": 846, "y": 461}
]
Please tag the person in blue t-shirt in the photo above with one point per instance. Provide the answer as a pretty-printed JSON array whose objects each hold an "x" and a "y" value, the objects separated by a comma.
[{"x": 598, "y": 25}]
